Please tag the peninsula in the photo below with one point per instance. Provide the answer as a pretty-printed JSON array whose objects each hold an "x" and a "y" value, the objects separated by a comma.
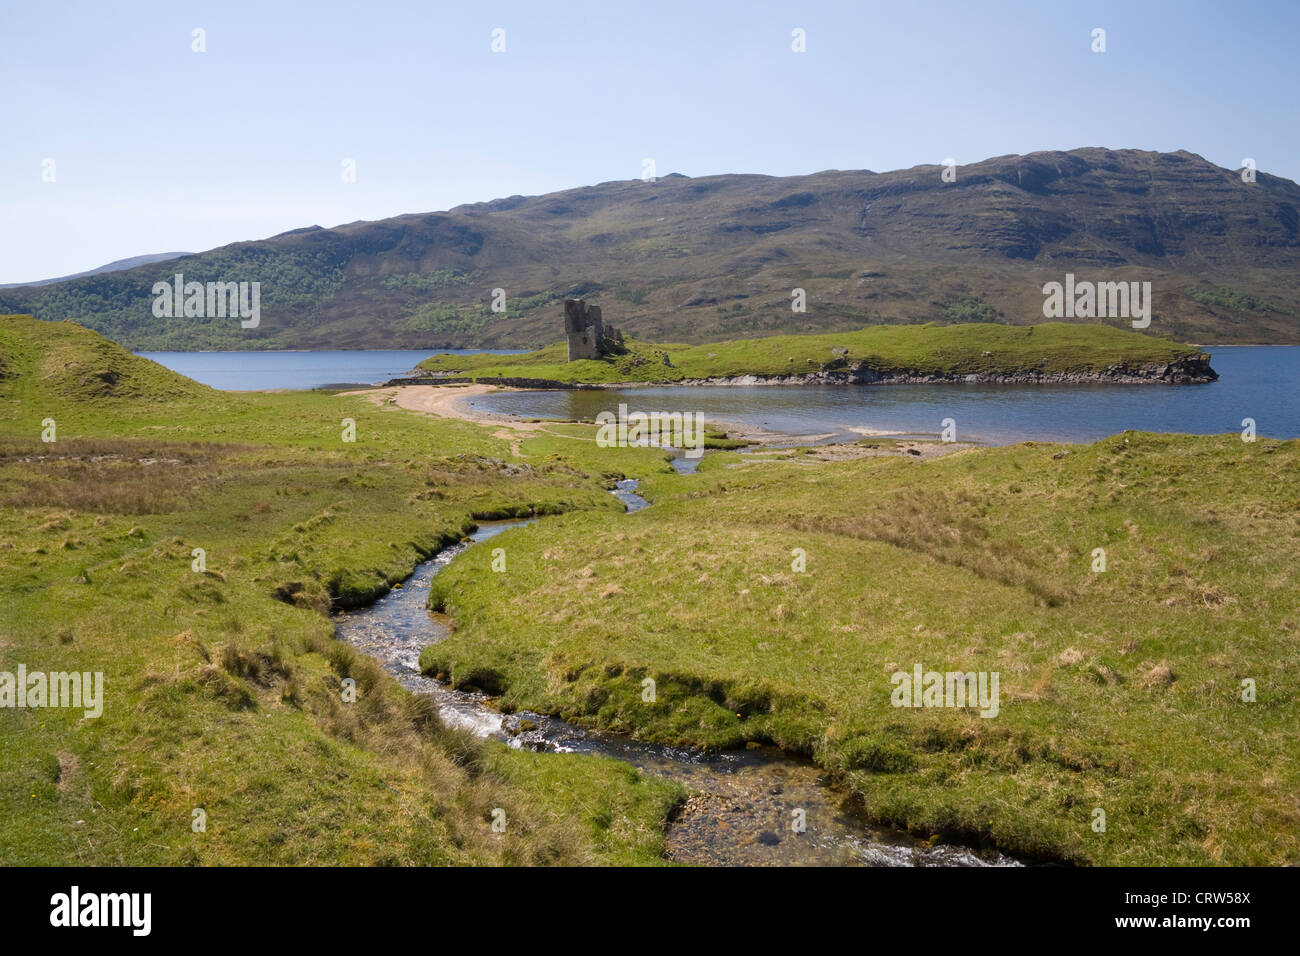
[{"x": 1050, "y": 353}]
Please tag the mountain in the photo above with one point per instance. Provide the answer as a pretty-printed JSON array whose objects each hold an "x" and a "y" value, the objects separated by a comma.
[
  {"x": 118, "y": 265},
  {"x": 698, "y": 259}
]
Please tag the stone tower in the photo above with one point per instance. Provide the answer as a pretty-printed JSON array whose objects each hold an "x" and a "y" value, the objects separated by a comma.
[{"x": 588, "y": 337}]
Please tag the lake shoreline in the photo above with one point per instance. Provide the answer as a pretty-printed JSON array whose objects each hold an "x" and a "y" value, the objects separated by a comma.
[
  {"x": 1190, "y": 371},
  {"x": 821, "y": 408}
]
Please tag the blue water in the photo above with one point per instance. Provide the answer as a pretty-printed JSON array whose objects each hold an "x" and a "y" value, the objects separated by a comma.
[
  {"x": 241, "y": 371},
  {"x": 1256, "y": 382}
]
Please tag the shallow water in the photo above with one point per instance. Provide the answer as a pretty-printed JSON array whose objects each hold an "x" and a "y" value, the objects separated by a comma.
[
  {"x": 742, "y": 803},
  {"x": 1259, "y": 382}
]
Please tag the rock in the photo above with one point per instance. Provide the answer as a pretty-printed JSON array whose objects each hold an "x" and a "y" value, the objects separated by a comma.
[{"x": 768, "y": 838}]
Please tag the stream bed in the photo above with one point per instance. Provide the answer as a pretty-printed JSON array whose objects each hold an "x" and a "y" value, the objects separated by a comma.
[{"x": 741, "y": 803}]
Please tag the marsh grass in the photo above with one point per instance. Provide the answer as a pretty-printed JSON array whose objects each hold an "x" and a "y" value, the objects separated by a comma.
[{"x": 1120, "y": 690}]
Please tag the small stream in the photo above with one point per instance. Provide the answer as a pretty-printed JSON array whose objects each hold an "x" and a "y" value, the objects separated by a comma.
[{"x": 741, "y": 803}]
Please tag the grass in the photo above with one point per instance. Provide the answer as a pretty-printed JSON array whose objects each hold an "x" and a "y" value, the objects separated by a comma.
[
  {"x": 924, "y": 349},
  {"x": 1119, "y": 690},
  {"x": 224, "y": 685}
]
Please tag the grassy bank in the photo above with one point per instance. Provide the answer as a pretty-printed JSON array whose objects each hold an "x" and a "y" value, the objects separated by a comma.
[
  {"x": 224, "y": 684},
  {"x": 1120, "y": 690},
  {"x": 977, "y": 348}
]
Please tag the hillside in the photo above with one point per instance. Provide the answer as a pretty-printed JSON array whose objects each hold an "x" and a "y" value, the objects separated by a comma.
[
  {"x": 696, "y": 260},
  {"x": 984, "y": 351},
  {"x": 44, "y": 364}
]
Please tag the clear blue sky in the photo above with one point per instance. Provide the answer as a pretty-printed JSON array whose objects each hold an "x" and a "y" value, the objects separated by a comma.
[{"x": 157, "y": 148}]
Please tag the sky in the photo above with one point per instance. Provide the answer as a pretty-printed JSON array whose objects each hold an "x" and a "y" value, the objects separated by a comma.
[{"x": 120, "y": 139}]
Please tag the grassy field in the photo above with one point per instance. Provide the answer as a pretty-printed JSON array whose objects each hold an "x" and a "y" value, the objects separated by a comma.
[
  {"x": 922, "y": 349},
  {"x": 1120, "y": 690},
  {"x": 224, "y": 685}
]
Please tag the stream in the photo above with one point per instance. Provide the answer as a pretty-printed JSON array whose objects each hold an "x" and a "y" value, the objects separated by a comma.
[{"x": 741, "y": 803}]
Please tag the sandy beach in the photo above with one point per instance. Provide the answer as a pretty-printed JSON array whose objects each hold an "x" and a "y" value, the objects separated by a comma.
[{"x": 449, "y": 401}]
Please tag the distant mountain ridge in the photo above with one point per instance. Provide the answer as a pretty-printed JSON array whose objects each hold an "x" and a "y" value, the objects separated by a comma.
[
  {"x": 700, "y": 259},
  {"x": 117, "y": 265}
]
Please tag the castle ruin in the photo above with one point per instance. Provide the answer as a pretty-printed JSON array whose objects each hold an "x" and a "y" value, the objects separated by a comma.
[{"x": 589, "y": 337}]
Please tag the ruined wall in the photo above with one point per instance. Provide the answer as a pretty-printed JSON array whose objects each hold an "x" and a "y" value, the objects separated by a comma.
[{"x": 588, "y": 337}]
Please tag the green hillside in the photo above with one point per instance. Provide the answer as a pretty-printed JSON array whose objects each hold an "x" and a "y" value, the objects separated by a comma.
[{"x": 64, "y": 362}]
